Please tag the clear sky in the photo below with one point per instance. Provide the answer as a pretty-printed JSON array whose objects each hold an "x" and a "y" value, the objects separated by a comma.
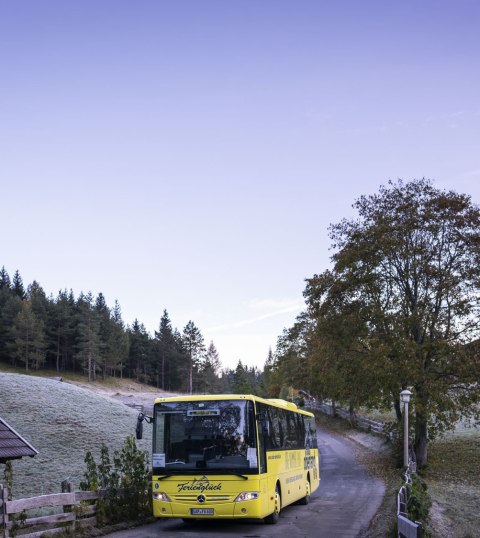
[{"x": 190, "y": 155}]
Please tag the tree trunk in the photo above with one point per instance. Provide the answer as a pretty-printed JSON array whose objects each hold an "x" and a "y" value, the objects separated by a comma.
[
  {"x": 398, "y": 408},
  {"x": 57, "y": 362},
  {"x": 89, "y": 366},
  {"x": 421, "y": 439},
  {"x": 351, "y": 413},
  {"x": 163, "y": 370}
]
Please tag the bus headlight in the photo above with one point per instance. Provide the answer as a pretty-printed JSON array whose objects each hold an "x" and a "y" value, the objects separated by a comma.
[
  {"x": 161, "y": 496},
  {"x": 247, "y": 496}
]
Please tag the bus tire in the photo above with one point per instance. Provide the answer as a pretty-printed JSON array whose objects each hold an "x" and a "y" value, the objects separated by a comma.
[
  {"x": 275, "y": 515},
  {"x": 305, "y": 500}
]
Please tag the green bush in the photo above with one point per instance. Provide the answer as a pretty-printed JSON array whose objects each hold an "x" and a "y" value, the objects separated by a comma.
[
  {"x": 126, "y": 483},
  {"x": 419, "y": 501}
]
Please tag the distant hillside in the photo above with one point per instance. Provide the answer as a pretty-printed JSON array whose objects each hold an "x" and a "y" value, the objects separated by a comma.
[{"x": 62, "y": 421}]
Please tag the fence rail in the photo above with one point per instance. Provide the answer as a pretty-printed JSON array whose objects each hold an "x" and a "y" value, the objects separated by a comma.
[
  {"x": 362, "y": 422},
  {"x": 15, "y": 521},
  {"x": 406, "y": 527}
]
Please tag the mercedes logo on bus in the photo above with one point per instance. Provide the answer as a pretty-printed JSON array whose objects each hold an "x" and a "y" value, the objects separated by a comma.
[{"x": 201, "y": 499}]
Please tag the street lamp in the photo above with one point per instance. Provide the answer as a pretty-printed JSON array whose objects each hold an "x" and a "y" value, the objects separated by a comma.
[{"x": 405, "y": 398}]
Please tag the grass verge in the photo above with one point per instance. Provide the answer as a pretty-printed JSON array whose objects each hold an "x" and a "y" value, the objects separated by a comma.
[{"x": 453, "y": 477}]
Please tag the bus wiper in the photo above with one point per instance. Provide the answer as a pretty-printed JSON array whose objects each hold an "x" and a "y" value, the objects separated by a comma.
[{"x": 240, "y": 475}]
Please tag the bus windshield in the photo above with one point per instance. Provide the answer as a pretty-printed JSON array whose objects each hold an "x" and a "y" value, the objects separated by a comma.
[{"x": 218, "y": 436}]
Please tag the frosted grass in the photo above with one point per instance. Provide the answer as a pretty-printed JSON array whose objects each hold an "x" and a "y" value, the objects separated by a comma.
[{"x": 62, "y": 421}]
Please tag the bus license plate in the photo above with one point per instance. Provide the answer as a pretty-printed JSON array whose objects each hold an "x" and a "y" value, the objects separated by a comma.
[{"x": 201, "y": 511}]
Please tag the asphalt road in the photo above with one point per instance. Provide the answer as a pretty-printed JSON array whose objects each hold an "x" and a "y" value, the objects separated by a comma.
[{"x": 343, "y": 506}]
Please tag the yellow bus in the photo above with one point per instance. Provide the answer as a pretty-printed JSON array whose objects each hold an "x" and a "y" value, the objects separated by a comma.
[{"x": 230, "y": 456}]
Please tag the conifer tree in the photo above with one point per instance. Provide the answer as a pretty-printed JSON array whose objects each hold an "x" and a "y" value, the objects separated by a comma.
[
  {"x": 119, "y": 342},
  {"x": 195, "y": 349},
  {"x": 139, "y": 352},
  {"x": 10, "y": 305},
  {"x": 5, "y": 295},
  {"x": 17, "y": 285},
  {"x": 4, "y": 279},
  {"x": 28, "y": 335},
  {"x": 62, "y": 330},
  {"x": 88, "y": 338},
  {"x": 271, "y": 382},
  {"x": 210, "y": 370},
  {"x": 165, "y": 351},
  {"x": 104, "y": 331}
]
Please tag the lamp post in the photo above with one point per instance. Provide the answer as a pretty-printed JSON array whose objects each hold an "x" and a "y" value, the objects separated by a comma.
[{"x": 405, "y": 398}]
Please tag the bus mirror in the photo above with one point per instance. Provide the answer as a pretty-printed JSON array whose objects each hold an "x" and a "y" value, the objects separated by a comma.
[{"x": 139, "y": 430}]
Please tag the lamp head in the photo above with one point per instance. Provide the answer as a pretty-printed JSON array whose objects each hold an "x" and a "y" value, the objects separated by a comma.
[{"x": 405, "y": 396}]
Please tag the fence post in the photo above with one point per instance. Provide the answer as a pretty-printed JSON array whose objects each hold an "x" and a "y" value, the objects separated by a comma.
[
  {"x": 68, "y": 488},
  {"x": 3, "y": 510}
]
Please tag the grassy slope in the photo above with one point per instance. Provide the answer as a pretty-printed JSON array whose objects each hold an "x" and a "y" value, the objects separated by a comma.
[{"x": 62, "y": 421}]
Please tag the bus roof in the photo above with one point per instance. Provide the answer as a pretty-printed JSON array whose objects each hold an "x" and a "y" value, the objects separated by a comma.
[{"x": 276, "y": 402}]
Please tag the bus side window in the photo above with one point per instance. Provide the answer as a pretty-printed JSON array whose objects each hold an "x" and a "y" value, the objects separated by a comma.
[
  {"x": 262, "y": 438},
  {"x": 300, "y": 431},
  {"x": 310, "y": 433}
]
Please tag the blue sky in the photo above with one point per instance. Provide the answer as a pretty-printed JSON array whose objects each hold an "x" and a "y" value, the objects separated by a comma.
[{"x": 190, "y": 155}]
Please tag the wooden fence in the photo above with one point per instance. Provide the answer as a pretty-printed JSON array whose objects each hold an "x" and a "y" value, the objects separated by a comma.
[
  {"x": 406, "y": 527},
  {"x": 361, "y": 422},
  {"x": 71, "y": 510}
]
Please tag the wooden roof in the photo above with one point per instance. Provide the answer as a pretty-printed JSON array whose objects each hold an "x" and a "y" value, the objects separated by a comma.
[{"x": 13, "y": 445}]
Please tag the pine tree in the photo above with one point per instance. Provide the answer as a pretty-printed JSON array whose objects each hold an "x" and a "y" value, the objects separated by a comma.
[
  {"x": 195, "y": 349},
  {"x": 88, "y": 338},
  {"x": 104, "y": 332},
  {"x": 179, "y": 365},
  {"x": 5, "y": 283},
  {"x": 241, "y": 384},
  {"x": 17, "y": 285},
  {"x": 165, "y": 351},
  {"x": 119, "y": 342},
  {"x": 10, "y": 305},
  {"x": 28, "y": 336},
  {"x": 62, "y": 331},
  {"x": 5, "y": 294},
  {"x": 211, "y": 370},
  {"x": 270, "y": 379},
  {"x": 139, "y": 352}
]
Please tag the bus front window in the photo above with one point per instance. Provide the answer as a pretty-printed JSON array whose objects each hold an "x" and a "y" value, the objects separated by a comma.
[{"x": 213, "y": 435}]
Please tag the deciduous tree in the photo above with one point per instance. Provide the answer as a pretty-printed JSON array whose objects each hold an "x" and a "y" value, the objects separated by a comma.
[{"x": 407, "y": 270}]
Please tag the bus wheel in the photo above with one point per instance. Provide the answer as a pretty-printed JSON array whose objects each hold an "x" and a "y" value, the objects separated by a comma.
[
  {"x": 275, "y": 516},
  {"x": 305, "y": 500}
]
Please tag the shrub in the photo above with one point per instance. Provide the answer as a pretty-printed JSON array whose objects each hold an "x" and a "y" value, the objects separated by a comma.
[
  {"x": 125, "y": 483},
  {"x": 419, "y": 501}
]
